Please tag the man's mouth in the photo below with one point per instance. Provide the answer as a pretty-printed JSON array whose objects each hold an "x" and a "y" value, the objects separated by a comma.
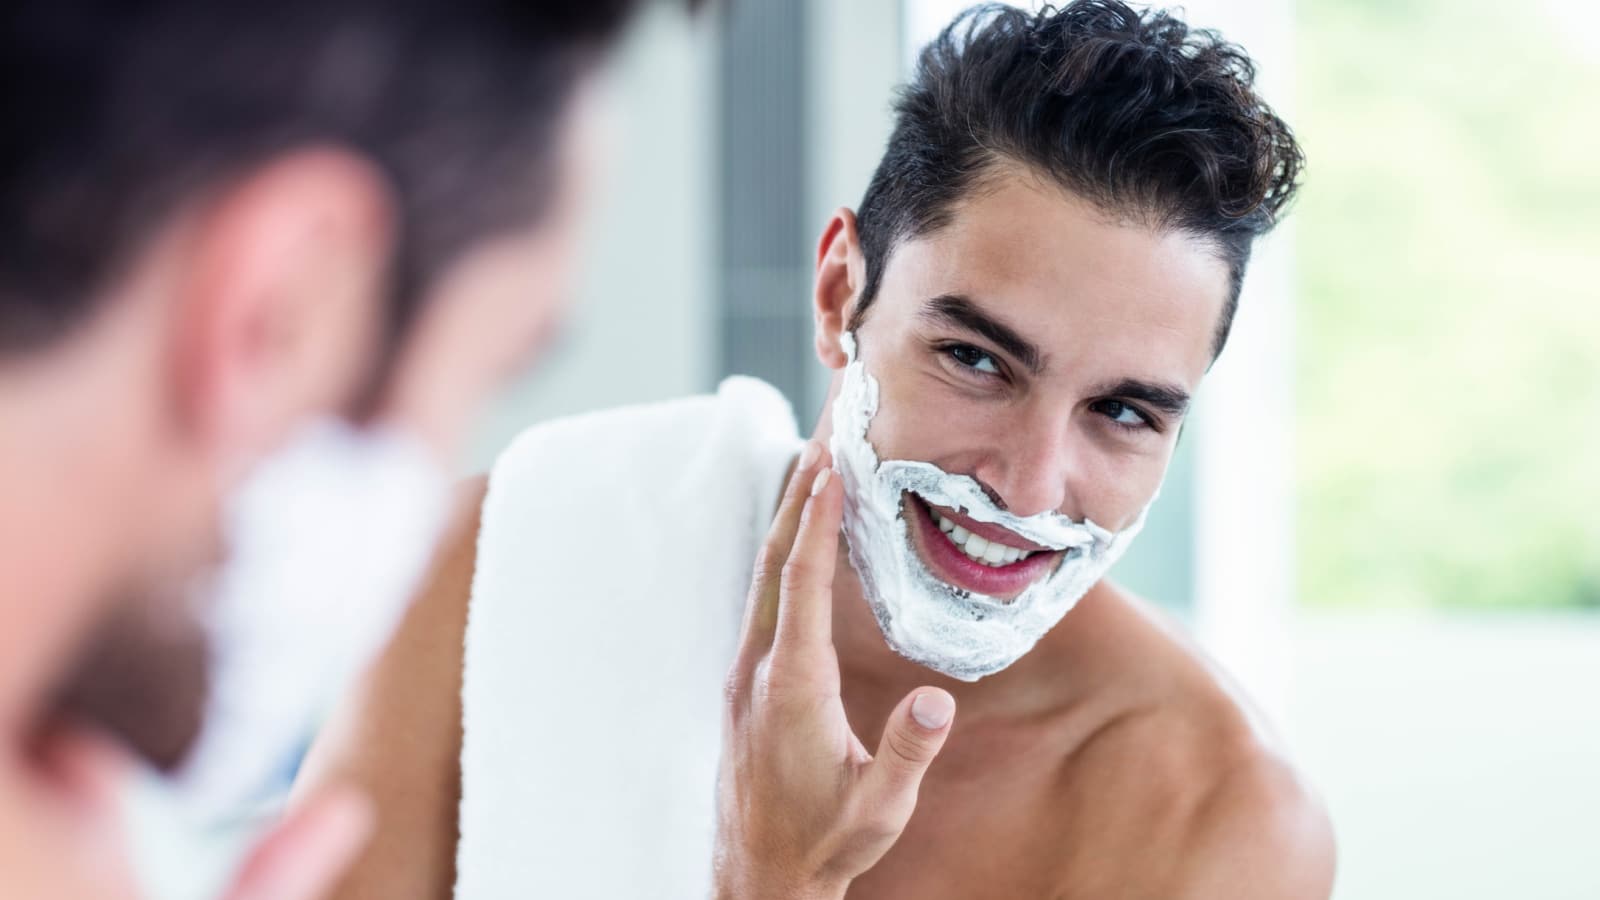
[
  {"x": 991, "y": 553},
  {"x": 976, "y": 556}
]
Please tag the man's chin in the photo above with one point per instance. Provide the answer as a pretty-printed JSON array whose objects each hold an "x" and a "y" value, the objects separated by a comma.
[{"x": 141, "y": 678}]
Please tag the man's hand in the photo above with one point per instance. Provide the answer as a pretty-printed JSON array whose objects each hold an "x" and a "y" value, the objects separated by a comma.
[
  {"x": 71, "y": 814},
  {"x": 803, "y": 809}
]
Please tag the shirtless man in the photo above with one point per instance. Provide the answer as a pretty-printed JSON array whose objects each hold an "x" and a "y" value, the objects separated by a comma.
[{"x": 1042, "y": 270}]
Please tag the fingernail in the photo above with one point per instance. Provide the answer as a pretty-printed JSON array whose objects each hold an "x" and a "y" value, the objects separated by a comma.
[
  {"x": 821, "y": 482},
  {"x": 809, "y": 455},
  {"x": 933, "y": 709}
]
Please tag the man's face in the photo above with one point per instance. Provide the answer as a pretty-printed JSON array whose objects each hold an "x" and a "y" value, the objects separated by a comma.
[
  {"x": 1046, "y": 351},
  {"x": 142, "y": 672}
]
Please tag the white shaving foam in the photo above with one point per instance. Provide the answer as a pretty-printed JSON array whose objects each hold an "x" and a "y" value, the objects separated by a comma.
[{"x": 957, "y": 632}]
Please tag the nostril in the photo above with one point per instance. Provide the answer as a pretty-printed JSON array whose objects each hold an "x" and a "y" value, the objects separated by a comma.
[{"x": 991, "y": 493}]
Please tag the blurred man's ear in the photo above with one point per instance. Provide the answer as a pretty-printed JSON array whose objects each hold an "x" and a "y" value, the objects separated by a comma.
[
  {"x": 840, "y": 272},
  {"x": 280, "y": 301}
]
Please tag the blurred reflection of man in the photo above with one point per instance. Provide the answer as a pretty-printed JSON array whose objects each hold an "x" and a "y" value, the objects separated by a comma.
[
  {"x": 1041, "y": 272},
  {"x": 258, "y": 266}
]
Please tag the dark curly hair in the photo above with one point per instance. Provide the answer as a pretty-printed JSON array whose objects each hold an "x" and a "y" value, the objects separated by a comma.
[
  {"x": 1137, "y": 113},
  {"x": 118, "y": 111}
]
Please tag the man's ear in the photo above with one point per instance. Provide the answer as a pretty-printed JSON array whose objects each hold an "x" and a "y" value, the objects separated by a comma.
[
  {"x": 841, "y": 270},
  {"x": 280, "y": 300}
]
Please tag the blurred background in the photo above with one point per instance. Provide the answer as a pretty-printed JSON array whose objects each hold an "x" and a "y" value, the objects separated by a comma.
[{"x": 1382, "y": 519}]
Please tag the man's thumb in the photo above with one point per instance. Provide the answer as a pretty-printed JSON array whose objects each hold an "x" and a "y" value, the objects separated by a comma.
[{"x": 913, "y": 736}]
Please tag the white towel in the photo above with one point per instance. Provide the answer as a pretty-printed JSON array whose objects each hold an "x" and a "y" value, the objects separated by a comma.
[{"x": 613, "y": 561}]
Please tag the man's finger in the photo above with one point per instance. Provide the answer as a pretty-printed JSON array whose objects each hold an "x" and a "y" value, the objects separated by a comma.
[
  {"x": 913, "y": 736},
  {"x": 761, "y": 611},
  {"x": 805, "y": 610},
  {"x": 304, "y": 856}
]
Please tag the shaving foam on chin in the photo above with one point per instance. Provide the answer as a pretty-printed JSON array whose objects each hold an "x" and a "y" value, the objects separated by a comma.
[{"x": 950, "y": 630}]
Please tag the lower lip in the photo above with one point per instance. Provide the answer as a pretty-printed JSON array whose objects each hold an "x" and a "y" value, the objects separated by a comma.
[{"x": 956, "y": 568}]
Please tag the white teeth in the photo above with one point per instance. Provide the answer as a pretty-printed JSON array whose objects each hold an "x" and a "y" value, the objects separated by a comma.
[
  {"x": 979, "y": 549},
  {"x": 976, "y": 547}
]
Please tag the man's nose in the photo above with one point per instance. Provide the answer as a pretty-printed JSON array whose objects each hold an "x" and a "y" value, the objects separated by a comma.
[{"x": 1034, "y": 466}]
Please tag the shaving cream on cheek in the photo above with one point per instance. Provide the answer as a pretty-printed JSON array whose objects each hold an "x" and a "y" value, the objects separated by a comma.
[{"x": 950, "y": 630}]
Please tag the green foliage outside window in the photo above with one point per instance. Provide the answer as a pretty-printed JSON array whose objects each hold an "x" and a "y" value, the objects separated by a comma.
[{"x": 1448, "y": 256}]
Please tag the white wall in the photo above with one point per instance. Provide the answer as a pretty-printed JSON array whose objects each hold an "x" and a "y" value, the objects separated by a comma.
[
  {"x": 642, "y": 324},
  {"x": 1243, "y": 505},
  {"x": 855, "y": 65}
]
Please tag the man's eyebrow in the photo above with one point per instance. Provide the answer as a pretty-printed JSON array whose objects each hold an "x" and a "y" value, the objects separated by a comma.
[
  {"x": 961, "y": 312},
  {"x": 1166, "y": 398}
]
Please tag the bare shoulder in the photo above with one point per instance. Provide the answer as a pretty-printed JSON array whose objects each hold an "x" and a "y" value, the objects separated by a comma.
[
  {"x": 398, "y": 736},
  {"x": 1259, "y": 833},
  {"x": 1203, "y": 801}
]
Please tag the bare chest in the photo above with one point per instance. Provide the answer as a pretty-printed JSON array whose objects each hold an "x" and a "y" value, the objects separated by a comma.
[
  {"x": 971, "y": 840},
  {"x": 1027, "y": 824}
]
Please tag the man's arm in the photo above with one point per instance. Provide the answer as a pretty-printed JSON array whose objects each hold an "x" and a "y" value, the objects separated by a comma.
[
  {"x": 398, "y": 736},
  {"x": 1259, "y": 835}
]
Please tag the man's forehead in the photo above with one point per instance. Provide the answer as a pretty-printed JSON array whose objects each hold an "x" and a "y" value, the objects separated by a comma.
[
  {"x": 1020, "y": 230},
  {"x": 1149, "y": 298}
]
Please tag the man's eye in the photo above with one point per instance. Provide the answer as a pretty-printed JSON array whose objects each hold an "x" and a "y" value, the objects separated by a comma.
[
  {"x": 1122, "y": 414},
  {"x": 975, "y": 359}
]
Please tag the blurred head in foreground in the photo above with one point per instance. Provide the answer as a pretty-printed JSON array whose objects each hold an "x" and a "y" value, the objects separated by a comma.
[{"x": 259, "y": 265}]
